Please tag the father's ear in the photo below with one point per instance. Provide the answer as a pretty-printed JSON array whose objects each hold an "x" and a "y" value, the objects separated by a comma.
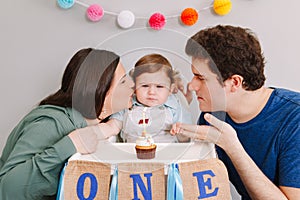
[{"x": 235, "y": 82}]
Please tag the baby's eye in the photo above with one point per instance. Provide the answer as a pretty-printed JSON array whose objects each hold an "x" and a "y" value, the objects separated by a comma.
[
  {"x": 145, "y": 86},
  {"x": 160, "y": 86}
]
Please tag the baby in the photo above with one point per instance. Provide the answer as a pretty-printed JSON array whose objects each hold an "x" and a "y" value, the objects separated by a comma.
[{"x": 155, "y": 107}]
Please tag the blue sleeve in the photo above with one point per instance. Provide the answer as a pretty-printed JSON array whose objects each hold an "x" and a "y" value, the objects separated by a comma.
[
  {"x": 186, "y": 116},
  {"x": 180, "y": 111},
  {"x": 289, "y": 157},
  {"x": 119, "y": 115}
]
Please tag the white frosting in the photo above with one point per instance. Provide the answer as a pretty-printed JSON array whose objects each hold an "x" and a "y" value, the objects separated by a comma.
[{"x": 144, "y": 141}]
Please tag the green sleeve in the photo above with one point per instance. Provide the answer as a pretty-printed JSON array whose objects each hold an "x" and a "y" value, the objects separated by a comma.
[
  {"x": 33, "y": 167},
  {"x": 1, "y": 163}
]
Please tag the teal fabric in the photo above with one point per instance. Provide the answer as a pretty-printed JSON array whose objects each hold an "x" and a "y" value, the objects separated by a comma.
[
  {"x": 113, "y": 193},
  {"x": 60, "y": 191},
  {"x": 174, "y": 185},
  {"x": 36, "y": 151}
]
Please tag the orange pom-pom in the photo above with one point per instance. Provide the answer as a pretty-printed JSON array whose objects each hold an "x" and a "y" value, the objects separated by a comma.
[{"x": 189, "y": 16}]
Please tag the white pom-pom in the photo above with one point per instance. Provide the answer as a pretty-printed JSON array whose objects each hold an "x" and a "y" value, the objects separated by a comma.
[{"x": 126, "y": 19}]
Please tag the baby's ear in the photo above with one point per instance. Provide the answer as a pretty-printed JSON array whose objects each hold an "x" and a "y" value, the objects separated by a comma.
[
  {"x": 173, "y": 89},
  {"x": 131, "y": 72}
]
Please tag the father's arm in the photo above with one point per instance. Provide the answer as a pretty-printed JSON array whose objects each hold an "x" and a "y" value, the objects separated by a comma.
[{"x": 256, "y": 183}]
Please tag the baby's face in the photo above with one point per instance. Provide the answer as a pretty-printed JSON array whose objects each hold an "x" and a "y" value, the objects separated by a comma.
[{"x": 153, "y": 89}]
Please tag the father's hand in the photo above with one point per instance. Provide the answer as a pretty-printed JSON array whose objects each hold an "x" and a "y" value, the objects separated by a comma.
[{"x": 219, "y": 132}]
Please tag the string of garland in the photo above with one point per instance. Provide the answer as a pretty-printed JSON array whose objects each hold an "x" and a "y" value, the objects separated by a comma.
[{"x": 157, "y": 21}]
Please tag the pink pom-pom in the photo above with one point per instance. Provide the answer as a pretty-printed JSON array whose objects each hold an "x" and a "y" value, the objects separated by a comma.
[
  {"x": 157, "y": 21},
  {"x": 94, "y": 12}
]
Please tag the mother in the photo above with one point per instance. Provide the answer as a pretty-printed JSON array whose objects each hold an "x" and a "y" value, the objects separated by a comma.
[{"x": 64, "y": 123}]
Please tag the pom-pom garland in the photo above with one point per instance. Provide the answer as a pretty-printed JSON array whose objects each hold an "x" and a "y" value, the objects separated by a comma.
[
  {"x": 126, "y": 19},
  {"x": 65, "y": 4},
  {"x": 222, "y": 7},
  {"x": 94, "y": 12},
  {"x": 157, "y": 21},
  {"x": 189, "y": 16}
]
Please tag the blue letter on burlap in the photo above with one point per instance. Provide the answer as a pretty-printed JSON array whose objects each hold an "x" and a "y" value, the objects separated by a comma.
[
  {"x": 202, "y": 184},
  {"x": 137, "y": 180},
  {"x": 80, "y": 186}
]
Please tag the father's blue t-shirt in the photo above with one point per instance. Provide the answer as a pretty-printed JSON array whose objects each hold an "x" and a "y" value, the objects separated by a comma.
[{"x": 272, "y": 140}]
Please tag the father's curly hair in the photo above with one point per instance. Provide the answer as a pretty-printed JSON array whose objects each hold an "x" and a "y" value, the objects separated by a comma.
[{"x": 230, "y": 50}]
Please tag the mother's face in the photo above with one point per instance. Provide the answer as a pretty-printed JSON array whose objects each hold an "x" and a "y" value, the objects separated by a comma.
[{"x": 119, "y": 96}]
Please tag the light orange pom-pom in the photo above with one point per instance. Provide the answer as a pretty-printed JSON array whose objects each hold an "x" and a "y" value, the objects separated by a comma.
[
  {"x": 222, "y": 7},
  {"x": 189, "y": 16}
]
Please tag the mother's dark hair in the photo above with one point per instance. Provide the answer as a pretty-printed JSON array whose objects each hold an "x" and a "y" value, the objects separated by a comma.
[{"x": 85, "y": 82}]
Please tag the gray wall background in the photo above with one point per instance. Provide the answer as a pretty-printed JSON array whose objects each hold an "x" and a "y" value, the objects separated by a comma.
[{"x": 38, "y": 38}]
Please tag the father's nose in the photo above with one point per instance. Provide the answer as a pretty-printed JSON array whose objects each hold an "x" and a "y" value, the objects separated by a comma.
[{"x": 191, "y": 85}]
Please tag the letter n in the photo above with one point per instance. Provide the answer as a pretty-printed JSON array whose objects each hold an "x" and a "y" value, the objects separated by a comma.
[{"x": 137, "y": 181}]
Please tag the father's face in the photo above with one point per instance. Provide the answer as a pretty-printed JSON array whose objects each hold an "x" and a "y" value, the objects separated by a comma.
[{"x": 210, "y": 93}]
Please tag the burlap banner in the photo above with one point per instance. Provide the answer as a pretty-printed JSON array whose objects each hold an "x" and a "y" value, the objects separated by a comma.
[
  {"x": 144, "y": 181},
  {"x": 205, "y": 179},
  {"x": 86, "y": 180}
]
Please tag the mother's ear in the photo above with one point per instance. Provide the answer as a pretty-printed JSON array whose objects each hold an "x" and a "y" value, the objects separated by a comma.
[{"x": 235, "y": 82}]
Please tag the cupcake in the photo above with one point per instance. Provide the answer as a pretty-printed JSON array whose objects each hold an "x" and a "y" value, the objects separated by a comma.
[{"x": 145, "y": 147}]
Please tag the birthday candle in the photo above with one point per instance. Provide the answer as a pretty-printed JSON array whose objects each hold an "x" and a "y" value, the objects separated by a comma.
[{"x": 144, "y": 122}]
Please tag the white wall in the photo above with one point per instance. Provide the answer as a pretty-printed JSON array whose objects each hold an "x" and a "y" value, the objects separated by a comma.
[{"x": 38, "y": 38}]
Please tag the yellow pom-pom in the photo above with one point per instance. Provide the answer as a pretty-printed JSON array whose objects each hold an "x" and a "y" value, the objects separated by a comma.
[{"x": 222, "y": 7}]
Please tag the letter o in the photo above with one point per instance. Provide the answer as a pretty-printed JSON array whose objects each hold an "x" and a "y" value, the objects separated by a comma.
[{"x": 80, "y": 186}]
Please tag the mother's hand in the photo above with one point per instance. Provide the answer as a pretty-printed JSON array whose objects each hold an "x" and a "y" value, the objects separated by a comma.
[{"x": 219, "y": 132}]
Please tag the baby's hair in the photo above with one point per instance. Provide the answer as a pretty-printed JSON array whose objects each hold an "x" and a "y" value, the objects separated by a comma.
[{"x": 153, "y": 63}]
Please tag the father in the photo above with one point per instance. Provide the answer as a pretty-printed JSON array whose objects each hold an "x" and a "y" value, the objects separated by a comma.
[{"x": 256, "y": 129}]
